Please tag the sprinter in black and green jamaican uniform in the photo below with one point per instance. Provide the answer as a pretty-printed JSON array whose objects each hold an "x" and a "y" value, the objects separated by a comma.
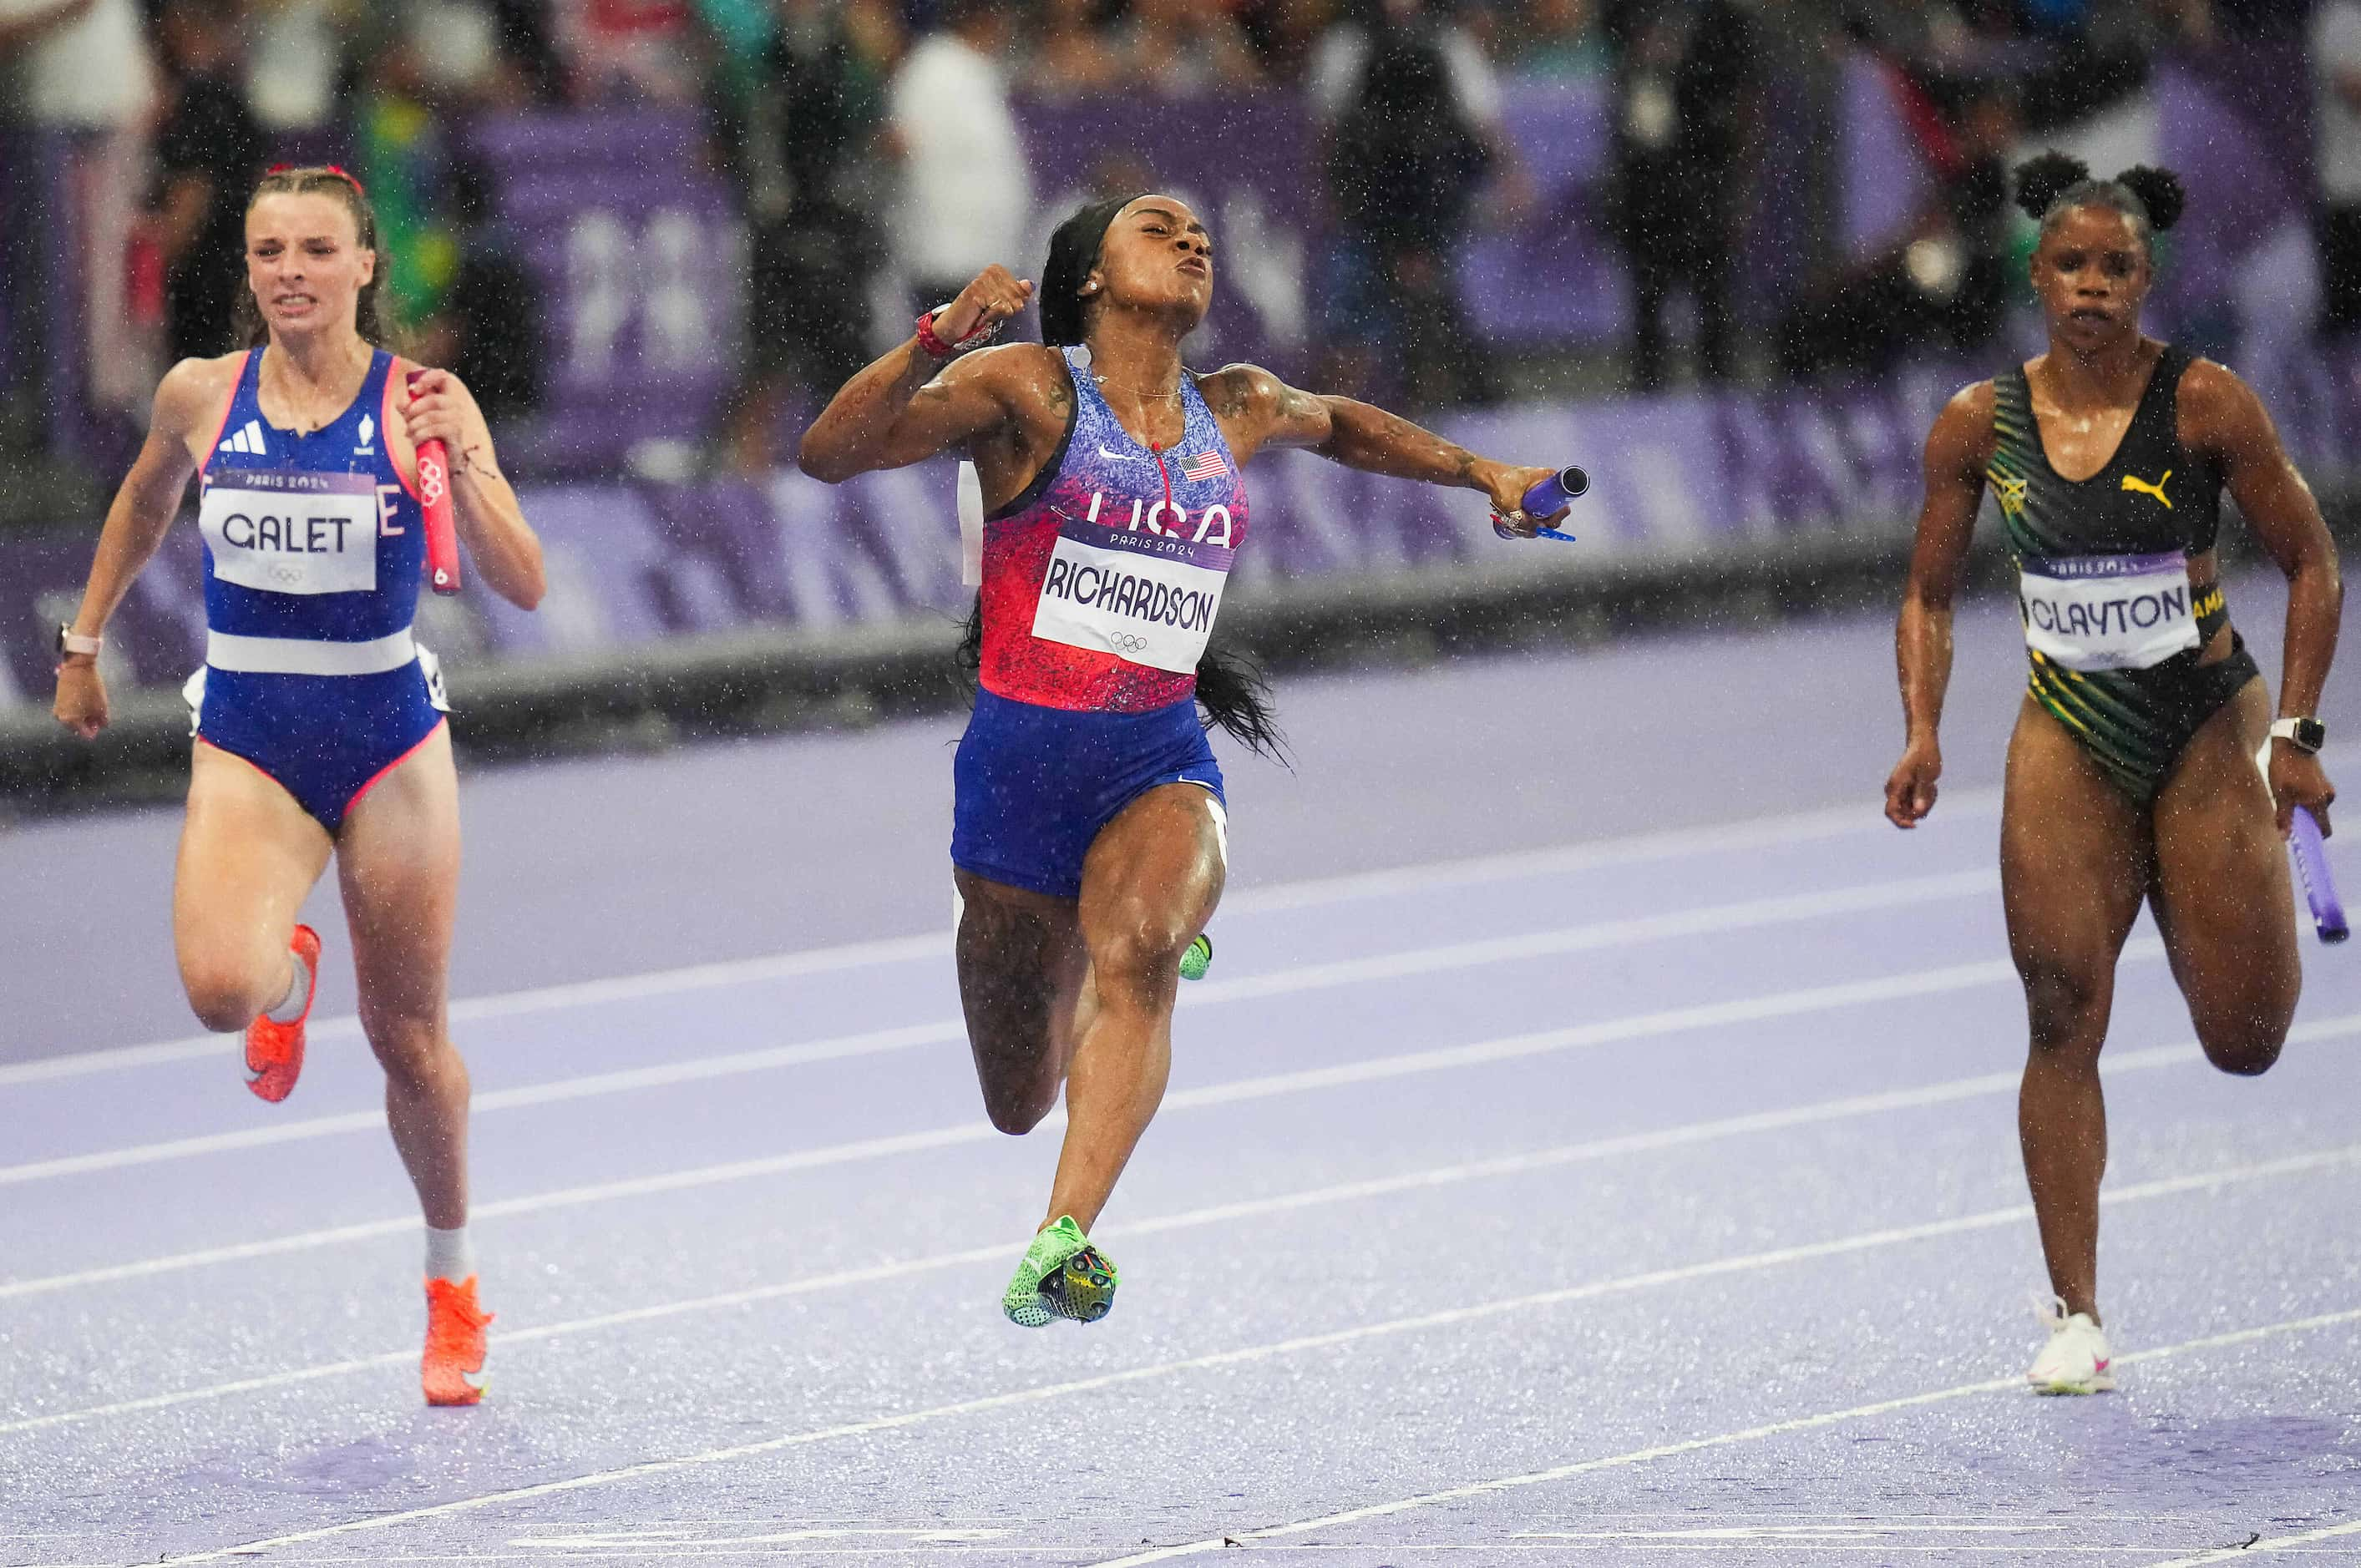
[{"x": 2132, "y": 775}]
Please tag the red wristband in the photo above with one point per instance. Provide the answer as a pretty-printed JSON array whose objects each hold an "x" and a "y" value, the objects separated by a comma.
[
  {"x": 933, "y": 347},
  {"x": 930, "y": 342}
]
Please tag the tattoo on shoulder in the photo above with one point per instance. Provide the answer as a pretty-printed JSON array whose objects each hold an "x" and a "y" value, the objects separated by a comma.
[
  {"x": 1227, "y": 394},
  {"x": 1060, "y": 396}
]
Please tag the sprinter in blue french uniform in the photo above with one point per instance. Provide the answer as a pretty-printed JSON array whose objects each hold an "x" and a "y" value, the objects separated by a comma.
[{"x": 319, "y": 721}]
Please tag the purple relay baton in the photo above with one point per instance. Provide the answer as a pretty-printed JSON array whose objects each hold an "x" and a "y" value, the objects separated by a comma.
[
  {"x": 2318, "y": 885},
  {"x": 1552, "y": 494}
]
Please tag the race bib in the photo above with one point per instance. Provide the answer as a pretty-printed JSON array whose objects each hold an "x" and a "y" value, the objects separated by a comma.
[
  {"x": 292, "y": 532},
  {"x": 1140, "y": 580},
  {"x": 2108, "y": 612}
]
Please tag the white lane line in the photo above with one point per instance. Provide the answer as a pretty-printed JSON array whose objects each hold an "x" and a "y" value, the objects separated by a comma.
[
  {"x": 1756, "y": 833},
  {"x": 1748, "y": 914},
  {"x": 1448, "y": 1317},
  {"x": 2277, "y": 1544},
  {"x": 1700, "y": 1445},
  {"x": 1430, "y": 1179},
  {"x": 1646, "y": 1026}
]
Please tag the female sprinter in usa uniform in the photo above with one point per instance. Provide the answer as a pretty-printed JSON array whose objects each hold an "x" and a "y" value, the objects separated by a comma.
[
  {"x": 1088, "y": 845},
  {"x": 318, "y": 721},
  {"x": 2132, "y": 775}
]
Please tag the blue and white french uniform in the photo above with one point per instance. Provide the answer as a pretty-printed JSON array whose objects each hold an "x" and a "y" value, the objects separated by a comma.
[{"x": 314, "y": 549}]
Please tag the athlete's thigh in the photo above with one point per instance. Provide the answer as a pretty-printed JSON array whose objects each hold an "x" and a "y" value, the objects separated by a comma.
[
  {"x": 2074, "y": 863},
  {"x": 398, "y": 865},
  {"x": 248, "y": 855},
  {"x": 2222, "y": 895},
  {"x": 1153, "y": 877},
  {"x": 1021, "y": 972}
]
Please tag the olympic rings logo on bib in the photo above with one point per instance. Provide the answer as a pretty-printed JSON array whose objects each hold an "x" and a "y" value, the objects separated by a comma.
[
  {"x": 292, "y": 532},
  {"x": 1145, "y": 588}
]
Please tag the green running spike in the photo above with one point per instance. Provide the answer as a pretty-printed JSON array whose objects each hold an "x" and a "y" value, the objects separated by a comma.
[
  {"x": 1198, "y": 959},
  {"x": 1062, "y": 1275}
]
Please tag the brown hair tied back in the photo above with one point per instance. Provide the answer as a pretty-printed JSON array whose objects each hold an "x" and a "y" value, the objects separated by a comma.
[
  {"x": 2053, "y": 184},
  {"x": 319, "y": 179}
]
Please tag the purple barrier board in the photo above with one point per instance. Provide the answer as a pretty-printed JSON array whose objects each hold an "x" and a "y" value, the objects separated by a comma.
[
  {"x": 640, "y": 254},
  {"x": 637, "y": 570}
]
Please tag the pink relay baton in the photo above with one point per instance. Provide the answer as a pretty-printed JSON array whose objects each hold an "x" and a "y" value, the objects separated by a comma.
[
  {"x": 434, "y": 501},
  {"x": 2319, "y": 884}
]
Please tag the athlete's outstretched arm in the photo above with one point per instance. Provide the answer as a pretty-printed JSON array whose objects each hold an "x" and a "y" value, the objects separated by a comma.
[
  {"x": 1922, "y": 640},
  {"x": 909, "y": 406},
  {"x": 142, "y": 515},
  {"x": 1258, "y": 410},
  {"x": 2281, "y": 508},
  {"x": 491, "y": 522}
]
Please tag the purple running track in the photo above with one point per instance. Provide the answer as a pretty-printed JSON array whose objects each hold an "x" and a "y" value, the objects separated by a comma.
[{"x": 1594, "y": 1143}]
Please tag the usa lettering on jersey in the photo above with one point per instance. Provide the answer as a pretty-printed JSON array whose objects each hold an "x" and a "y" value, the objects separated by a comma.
[{"x": 1143, "y": 584}]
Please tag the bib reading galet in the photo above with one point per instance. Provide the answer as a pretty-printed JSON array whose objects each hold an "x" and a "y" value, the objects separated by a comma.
[{"x": 291, "y": 532}]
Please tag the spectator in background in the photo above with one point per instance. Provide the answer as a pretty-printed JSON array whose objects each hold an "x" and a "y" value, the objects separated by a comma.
[
  {"x": 72, "y": 67},
  {"x": 1284, "y": 32},
  {"x": 1560, "y": 38},
  {"x": 1943, "y": 281},
  {"x": 489, "y": 330},
  {"x": 1186, "y": 49},
  {"x": 209, "y": 154},
  {"x": 1685, "y": 99},
  {"x": 530, "y": 50},
  {"x": 647, "y": 49},
  {"x": 294, "y": 68},
  {"x": 967, "y": 190},
  {"x": 1071, "y": 55},
  {"x": 1404, "y": 163},
  {"x": 2336, "y": 87},
  {"x": 816, "y": 183},
  {"x": 1342, "y": 55}
]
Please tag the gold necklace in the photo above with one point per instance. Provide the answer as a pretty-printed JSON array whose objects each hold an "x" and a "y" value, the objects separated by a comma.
[{"x": 1171, "y": 396}]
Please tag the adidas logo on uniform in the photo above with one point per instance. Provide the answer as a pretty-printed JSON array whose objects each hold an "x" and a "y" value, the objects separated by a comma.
[{"x": 248, "y": 440}]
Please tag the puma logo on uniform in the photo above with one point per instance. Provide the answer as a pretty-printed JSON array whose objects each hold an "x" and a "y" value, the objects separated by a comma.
[{"x": 2133, "y": 482}]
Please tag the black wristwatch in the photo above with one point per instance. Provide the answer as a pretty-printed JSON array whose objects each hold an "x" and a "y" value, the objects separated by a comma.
[{"x": 2306, "y": 735}]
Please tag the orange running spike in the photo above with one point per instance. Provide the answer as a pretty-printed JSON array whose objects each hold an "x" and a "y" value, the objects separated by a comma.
[
  {"x": 274, "y": 1052},
  {"x": 454, "y": 1343}
]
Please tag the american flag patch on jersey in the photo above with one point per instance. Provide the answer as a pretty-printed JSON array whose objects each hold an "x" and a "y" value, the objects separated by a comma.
[{"x": 1204, "y": 466}]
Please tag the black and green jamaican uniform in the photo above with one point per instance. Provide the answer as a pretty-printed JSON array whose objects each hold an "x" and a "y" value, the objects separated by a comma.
[{"x": 2113, "y": 539}]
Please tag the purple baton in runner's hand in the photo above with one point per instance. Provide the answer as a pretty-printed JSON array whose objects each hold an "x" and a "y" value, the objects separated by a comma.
[
  {"x": 2318, "y": 885},
  {"x": 1553, "y": 493}
]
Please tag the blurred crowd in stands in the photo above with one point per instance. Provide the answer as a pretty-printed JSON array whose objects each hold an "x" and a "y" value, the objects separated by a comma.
[{"x": 871, "y": 138}]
